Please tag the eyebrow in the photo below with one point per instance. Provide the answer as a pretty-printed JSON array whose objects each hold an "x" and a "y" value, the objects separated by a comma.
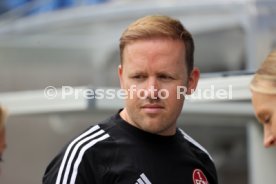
[
  {"x": 138, "y": 73},
  {"x": 157, "y": 73},
  {"x": 164, "y": 72}
]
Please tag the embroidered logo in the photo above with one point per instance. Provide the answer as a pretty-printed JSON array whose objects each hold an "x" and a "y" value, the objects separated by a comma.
[
  {"x": 199, "y": 177},
  {"x": 142, "y": 179}
]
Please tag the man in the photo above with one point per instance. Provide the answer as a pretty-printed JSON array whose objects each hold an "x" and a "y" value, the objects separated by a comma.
[{"x": 141, "y": 143}]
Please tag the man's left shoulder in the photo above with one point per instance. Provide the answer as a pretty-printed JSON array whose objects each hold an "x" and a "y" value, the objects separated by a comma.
[{"x": 197, "y": 148}]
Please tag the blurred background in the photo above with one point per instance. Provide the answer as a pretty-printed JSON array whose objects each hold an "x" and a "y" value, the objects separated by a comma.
[{"x": 75, "y": 43}]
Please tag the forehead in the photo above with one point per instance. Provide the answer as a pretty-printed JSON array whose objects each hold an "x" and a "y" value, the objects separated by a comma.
[
  {"x": 164, "y": 53},
  {"x": 159, "y": 47},
  {"x": 160, "y": 40},
  {"x": 263, "y": 101}
]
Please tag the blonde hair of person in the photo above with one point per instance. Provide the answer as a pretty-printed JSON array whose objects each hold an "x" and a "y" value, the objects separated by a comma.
[
  {"x": 264, "y": 81},
  {"x": 158, "y": 26}
]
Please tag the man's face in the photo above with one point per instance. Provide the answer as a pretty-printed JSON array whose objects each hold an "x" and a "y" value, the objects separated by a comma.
[
  {"x": 264, "y": 106},
  {"x": 155, "y": 68}
]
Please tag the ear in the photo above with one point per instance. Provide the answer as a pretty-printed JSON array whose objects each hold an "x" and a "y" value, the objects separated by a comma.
[
  {"x": 193, "y": 80},
  {"x": 120, "y": 74}
]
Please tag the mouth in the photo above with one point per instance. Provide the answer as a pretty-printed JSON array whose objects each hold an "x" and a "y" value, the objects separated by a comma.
[{"x": 152, "y": 108}]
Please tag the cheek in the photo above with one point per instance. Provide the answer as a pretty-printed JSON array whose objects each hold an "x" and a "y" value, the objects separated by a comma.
[{"x": 173, "y": 91}]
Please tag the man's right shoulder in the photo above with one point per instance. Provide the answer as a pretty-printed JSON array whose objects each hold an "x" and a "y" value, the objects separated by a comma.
[
  {"x": 86, "y": 145},
  {"x": 95, "y": 134}
]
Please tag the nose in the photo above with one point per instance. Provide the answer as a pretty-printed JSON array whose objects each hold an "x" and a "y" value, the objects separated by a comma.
[
  {"x": 269, "y": 139},
  {"x": 152, "y": 88}
]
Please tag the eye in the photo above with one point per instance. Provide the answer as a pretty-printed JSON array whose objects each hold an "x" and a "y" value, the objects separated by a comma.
[
  {"x": 266, "y": 119},
  {"x": 264, "y": 116},
  {"x": 165, "y": 77},
  {"x": 138, "y": 77}
]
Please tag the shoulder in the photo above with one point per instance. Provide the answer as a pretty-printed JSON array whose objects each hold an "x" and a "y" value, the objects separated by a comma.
[
  {"x": 201, "y": 154},
  {"x": 95, "y": 135},
  {"x": 92, "y": 138},
  {"x": 91, "y": 145},
  {"x": 198, "y": 148}
]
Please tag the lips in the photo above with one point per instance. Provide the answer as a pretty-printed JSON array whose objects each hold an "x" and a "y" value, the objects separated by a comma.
[{"x": 152, "y": 108}]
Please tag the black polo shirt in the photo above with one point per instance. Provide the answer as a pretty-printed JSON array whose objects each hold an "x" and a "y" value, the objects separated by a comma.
[{"x": 116, "y": 152}]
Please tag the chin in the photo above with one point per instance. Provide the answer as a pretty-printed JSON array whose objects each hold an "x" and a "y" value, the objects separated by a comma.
[{"x": 154, "y": 128}]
